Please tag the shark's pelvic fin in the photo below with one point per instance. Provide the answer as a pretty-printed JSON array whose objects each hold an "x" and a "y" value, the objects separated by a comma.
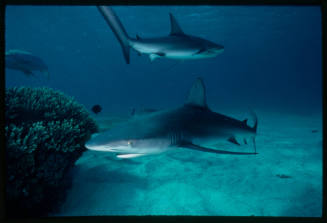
[
  {"x": 204, "y": 149},
  {"x": 153, "y": 57},
  {"x": 175, "y": 28},
  {"x": 197, "y": 94}
]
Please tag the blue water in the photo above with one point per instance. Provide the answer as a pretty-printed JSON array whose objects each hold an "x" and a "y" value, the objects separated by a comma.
[{"x": 271, "y": 64}]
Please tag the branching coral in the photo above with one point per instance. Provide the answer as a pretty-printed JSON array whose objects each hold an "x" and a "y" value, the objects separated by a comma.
[{"x": 45, "y": 134}]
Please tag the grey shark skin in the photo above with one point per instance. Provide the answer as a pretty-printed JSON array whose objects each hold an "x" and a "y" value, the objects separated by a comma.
[
  {"x": 177, "y": 45},
  {"x": 25, "y": 62},
  {"x": 193, "y": 126}
]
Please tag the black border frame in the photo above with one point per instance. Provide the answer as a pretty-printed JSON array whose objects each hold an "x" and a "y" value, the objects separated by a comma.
[{"x": 169, "y": 219}]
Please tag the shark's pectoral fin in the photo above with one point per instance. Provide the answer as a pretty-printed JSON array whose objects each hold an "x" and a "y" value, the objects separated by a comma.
[
  {"x": 233, "y": 140},
  {"x": 130, "y": 155},
  {"x": 204, "y": 149},
  {"x": 154, "y": 56}
]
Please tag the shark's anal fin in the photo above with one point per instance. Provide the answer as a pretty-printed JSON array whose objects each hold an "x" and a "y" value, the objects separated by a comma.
[
  {"x": 204, "y": 149},
  {"x": 233, "y": 140}
]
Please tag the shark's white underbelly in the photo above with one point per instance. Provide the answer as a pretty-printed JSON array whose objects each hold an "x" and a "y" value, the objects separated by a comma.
[{"x": 168, "y": 53}]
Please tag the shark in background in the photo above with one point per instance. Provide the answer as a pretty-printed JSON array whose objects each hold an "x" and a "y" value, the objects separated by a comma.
[
  {"x": 25, "y": 62},
  {"x": 191, "y": 126},
  {"x": 177, "y": 45}
]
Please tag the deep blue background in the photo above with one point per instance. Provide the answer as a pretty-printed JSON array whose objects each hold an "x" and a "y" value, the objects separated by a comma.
[{"x": 272, "y": 56}]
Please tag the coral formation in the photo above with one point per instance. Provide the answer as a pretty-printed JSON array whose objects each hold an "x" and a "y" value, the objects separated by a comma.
[{"x": 45, "y": 134}]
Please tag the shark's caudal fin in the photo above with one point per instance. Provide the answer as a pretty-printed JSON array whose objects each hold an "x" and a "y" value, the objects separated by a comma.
[
  {"x": 118, "y": 29},
  {"x": 175, "y": 28},
  {"x": 197, "y": 94}
]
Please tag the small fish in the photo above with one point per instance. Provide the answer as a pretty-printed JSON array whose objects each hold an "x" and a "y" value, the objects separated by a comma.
[
  {"x": 25, "y": 62},
  {"x": 314, "y": 131},
  {"x": 96, "y": 109},
  {"x": 283, "y": 176}
]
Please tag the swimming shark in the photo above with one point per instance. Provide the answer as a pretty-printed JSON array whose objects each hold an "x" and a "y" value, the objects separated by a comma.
[
  {"x": 177, "y": 45},
  {"x": 191, "y": 126},
  {"x": 25, "y": 62}
]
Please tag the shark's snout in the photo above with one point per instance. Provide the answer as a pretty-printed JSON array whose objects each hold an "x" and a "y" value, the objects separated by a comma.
[
  {"x": 92, "y": 144},
  {"x": 89, "y": 145}
]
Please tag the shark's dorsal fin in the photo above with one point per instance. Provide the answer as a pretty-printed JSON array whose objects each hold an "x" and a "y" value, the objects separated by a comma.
[
  {"x": 175, "y": 28},
  {"x": 245, "y": 121},
  {"x": 197, "y": 94}
]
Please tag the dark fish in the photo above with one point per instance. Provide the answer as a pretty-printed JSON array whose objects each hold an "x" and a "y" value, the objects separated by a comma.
[
  {"x": 314, "y": 131},
  {"x": 25, "y": 62},
  {"x": 283, "y": 176},
  {"x": 96, "y": 109}
]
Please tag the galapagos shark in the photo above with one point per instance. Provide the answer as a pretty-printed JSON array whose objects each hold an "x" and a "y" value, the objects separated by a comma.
[
  {"x": 191, "y": 126},
  {"x": 177, "y": 45}
]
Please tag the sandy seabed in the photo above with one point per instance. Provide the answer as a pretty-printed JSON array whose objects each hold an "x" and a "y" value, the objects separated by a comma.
[{"x": 284, "y": 179}]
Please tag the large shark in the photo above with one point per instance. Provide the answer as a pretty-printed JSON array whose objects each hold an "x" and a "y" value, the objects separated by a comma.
[
  {"x": 177, "y": 45},
  {"x": 192, "y": 126}
]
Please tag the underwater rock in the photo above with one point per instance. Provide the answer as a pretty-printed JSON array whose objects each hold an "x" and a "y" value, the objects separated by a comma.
[{"x": 45, "y": 134}]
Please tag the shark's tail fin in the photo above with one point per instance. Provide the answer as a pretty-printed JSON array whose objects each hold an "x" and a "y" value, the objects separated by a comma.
[{"x": 118, "y": 29}]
